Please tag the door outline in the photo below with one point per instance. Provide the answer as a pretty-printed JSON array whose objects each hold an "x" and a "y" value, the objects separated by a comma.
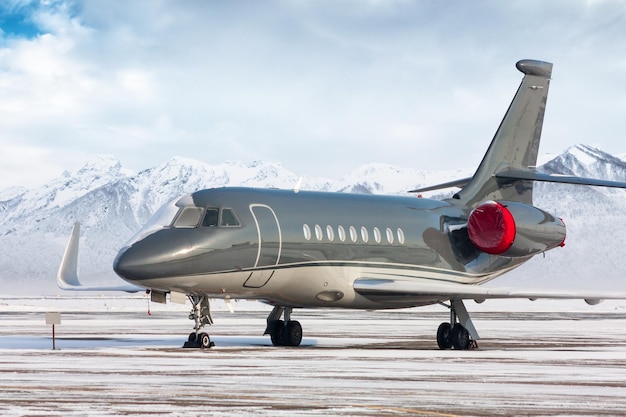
[{"x": 259, "y": 278}]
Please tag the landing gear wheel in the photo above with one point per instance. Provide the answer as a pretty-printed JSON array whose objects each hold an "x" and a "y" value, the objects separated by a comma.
[
  {"x": 205, "y": 341},
  {"x": 192, "y": 337},
  {"x": 460, "y": 337},
  {"x": 283, "y": 332},
  {"x": 443, "y": 336},
  {"x": 277, "y": 332},
  {"x": 293, "y": 333}
]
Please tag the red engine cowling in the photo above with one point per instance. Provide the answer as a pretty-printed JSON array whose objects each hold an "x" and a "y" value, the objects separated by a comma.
[{"x": 514, "y": 229}]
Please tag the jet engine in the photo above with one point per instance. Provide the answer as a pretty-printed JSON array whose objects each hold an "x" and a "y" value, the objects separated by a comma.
[{"x": 514, "y": 229}]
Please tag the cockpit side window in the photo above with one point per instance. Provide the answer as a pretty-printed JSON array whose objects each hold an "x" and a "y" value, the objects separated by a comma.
[
  {"x": 229, "y": 218},
  {"x": 211, "y": 217},
  {"x": 188, "y": 217}
]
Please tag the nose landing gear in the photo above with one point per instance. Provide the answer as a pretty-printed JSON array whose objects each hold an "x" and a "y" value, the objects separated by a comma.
[{"x": 201, "y": 315}]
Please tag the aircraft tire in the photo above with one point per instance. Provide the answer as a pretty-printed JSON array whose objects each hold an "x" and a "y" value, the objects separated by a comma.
[
  {"x": 205, "y": 341},
  {"x": 460, "y": 337},
  {"x": 443, "y": 336},
  {"x": 277, "y": 333},
  {"x": 192, "y": 337},
  {"x": 293, "y": 333}
]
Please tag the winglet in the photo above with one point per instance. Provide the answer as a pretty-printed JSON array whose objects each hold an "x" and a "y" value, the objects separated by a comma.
[{"x": 67, "y": 277}]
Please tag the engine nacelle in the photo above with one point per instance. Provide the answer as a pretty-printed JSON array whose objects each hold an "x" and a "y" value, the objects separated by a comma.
[{"x": 514, "y": 229}]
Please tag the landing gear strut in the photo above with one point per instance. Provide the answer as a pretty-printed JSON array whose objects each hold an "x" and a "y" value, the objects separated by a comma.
[
  {"x": 201, "y": 314},
  {"x": 460, "y": 332},
  {"x": 285, "y": 332}
]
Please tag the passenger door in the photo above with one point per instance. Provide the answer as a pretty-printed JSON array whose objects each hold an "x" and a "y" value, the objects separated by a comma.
[{"x": 270, "y": 244}]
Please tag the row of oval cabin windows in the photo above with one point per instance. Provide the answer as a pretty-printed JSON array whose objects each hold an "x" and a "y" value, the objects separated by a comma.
[{"x": 352, "y": 234}]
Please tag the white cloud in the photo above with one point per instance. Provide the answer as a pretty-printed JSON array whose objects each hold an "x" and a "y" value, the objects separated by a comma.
[{"x": 408, "y": 83}]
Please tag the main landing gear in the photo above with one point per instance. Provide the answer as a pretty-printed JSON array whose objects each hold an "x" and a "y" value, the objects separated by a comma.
[
  {"x": 285, "y": 332},
  {"x": 461, "y": 334},
  {"x": 201, "y": 314}
]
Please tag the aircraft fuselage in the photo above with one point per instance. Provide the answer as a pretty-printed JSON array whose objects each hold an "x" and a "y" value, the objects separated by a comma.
[{"x": 303, "y": 248}]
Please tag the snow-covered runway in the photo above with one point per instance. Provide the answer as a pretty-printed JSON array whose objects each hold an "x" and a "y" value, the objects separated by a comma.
[{"x": 113, "y": 359}]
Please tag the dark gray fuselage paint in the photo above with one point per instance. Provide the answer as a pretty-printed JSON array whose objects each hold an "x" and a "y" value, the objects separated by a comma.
[{"x": 229, "y": 260}]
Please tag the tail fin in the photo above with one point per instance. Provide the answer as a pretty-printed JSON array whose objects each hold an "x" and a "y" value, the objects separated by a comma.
[
  {"x": 507, "y": 171},
  {"x": 516, "y": 142}
]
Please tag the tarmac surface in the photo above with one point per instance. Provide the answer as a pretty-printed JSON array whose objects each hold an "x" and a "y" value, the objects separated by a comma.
[{"x": 122, "y": 362}]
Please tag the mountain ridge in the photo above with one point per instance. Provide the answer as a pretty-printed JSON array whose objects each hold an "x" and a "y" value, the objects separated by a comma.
[{"x": 112, "y": 202}]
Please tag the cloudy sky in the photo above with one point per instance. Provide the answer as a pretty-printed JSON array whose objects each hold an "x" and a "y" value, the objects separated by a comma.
[{"x": 320, "y": 86}]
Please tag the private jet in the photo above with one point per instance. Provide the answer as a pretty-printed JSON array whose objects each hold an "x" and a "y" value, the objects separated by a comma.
[{"x": 296, "y": 249}]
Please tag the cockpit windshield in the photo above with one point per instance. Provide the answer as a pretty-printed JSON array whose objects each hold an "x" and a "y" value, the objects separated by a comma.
[
  {"x": 182, "y": 213},
  {"x": 189, "y": 217},
  {"x": 163, "y": 218}
]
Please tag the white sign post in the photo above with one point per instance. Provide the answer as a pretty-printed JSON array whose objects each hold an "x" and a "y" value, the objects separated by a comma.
[{"x": 53, "y": 319}]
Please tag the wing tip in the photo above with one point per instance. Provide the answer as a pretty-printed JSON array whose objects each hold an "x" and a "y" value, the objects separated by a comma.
[{"x": 67, "y": 276}]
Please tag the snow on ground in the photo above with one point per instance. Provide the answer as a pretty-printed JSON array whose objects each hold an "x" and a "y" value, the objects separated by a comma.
[{"x": 552, "y": 358}]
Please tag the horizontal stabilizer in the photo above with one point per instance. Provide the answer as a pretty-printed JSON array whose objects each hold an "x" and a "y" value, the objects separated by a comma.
[
  {"x": 456, "y": 183},
  {"x": 67, "y": 277},
  {"x": 405, "y": 289},
  {"x": 562, "y": 179},
  {"x": 518, "y": 175}
]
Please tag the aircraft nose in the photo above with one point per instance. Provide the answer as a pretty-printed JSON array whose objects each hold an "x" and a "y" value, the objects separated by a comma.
[
  {"x": 131, "y": 264},
  {"x": 122, "y": 262},
  {"x": 156, "y": 256}
]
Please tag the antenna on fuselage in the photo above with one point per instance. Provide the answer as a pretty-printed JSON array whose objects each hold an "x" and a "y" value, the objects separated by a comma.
[{"x": 296, "y": 188}]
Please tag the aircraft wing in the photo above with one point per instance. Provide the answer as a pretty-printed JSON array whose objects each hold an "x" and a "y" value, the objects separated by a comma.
[
  {"x": 67, "y": 277},
  {"x": 388, "y": 289}
]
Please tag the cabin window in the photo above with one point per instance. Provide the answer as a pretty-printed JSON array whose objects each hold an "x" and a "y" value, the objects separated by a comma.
[
  {"x": 400, "y": 236},
  {"x": 364, "y": 234},
  {"x": 353, "y": 236},
  {"x": 341, "y": 232},
  {"x": 353, "y": 233},
  {"x": 318, "y": 232},
  {"x": 377, "y": 235},
  {"x": 210, "y": 218},
  {"x": 330, "y": 233},
  {"x": 229, "y": 218},
  {"x": 188, "y": 217},
  {"x": 389, "y": 234}
]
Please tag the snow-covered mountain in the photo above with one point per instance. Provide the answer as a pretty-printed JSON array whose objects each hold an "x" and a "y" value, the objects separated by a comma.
[
  {"x": 112, "y": 203},
  {"x": 595, "y": 247}
]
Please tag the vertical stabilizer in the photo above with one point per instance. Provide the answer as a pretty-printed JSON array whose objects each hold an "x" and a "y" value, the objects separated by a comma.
[{"x": 516, "y": 142}]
